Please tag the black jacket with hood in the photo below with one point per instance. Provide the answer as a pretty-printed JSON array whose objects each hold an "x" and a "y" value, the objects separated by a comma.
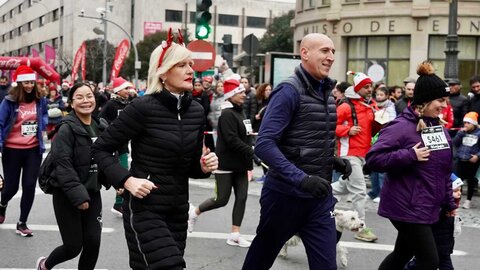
[{"x": 72, "y": 159}]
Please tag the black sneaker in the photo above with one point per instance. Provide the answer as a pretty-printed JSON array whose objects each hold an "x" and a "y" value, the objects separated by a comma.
[
  {"x": 23, "y": 230},
  {"x": 3, "y": 209}
]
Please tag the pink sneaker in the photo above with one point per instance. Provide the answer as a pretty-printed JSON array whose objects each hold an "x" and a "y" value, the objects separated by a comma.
[{"x": 23, "y": 230}]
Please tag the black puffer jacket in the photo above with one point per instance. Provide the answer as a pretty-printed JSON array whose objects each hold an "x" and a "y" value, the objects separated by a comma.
[
  {"x": 72, "y": 159},
  {"x": 110, "y": 112}
]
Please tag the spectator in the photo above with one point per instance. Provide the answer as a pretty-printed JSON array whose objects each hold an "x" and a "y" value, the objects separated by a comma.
[
  {"x": 166, "y": 128},
  {"x": 4, "y": 87},
  {"x": 407, "y": 98},
  {"x": 459, "y": 103},
  {"x": 297, "y": 141},
  {"x": 262, "y": 94},
  {"x": 76, "y": 189},
  {"x": 418, "y": 168},
  {"x": 250, "y": 105},
  {"x": 395, "y": 93},
  {"x": 23, "y": 118},
  {"x": 468, "y": 153}
]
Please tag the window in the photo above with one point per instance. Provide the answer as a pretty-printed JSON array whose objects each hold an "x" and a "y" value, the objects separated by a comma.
[
  {"x": 40, "y": 46},
  {"x": 326, "y": 2},
  {"x": 12, "y": 13},
  {"x": 12, "y": 34},
  {"x": 391, "y": 53},
  {"x": 30, "y": 26},
  {"x": 229, "y": 20},
  {"x": 30, "y": 3},
  {"x": 41, "y": 20},
  {"x": 61, "y": 11},
  {"x": 20, "y": 30},
  {"x": 4, "y": 37},
  {"x": 193, "y": 17},
  {"x": 55, "y": 43},
  {"x": 468, "y": 56},
  {"x": 61, "y": 40},
  {"x": 256, "y": 22},
  {"x": 173, "y": 15},
  {"x": 20, "y": 8},
  {"x": 4, "y": 18},
  {"x": 55, "y": 14}
]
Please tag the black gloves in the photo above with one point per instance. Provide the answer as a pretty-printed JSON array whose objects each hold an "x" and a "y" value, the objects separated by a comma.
[
  {"x": 342, "y": 166},
  {"x": 315, "y": 185}
]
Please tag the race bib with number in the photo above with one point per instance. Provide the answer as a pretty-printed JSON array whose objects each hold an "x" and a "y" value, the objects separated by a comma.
[
  {"x": 29, "y": 128},
  {"x": 434, "y": 138},
  {"x": 248, "y": 126},
  {"x": 469, "y": 140}
]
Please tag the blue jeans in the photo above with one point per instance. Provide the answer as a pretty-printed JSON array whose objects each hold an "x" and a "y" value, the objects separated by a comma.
[{"x": 376, "y": 179}]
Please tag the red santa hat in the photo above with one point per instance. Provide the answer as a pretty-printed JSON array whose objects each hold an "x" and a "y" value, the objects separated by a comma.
[
  {"x": 359, "y": 80},
  {"x": 65, "y": 83},
  {"x": 22, "y": 74},
  {"x": 120, "y": 84},
  {"x": 232, "y": 87}
]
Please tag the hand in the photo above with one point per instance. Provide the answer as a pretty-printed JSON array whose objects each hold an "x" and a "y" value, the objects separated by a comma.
[
  {"x": 139, "y": 187},
  {"x": 422, "y": 153},
  {"x": 342, "y": 166},
  {"x": 316, "y": 185},
  {"x": 120, "y": 191},
  {"x": 354, "y": 130},
  {"x": 83, "y": 206},
  {"x": 473, "y": 159},
  {"x": 257, "y": 116},
  {"x": 209, "y": 161}
]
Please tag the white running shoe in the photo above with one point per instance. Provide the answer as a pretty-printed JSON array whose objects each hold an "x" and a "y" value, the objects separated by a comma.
[
  {"x": 192, "y": 218},
  {"x": 376, "y": 200},
  {"x": 238, "y": 242}
]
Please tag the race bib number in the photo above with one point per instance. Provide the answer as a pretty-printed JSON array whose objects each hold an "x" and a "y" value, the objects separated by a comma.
[
  {"x": 469, "y": 140},
  {"x": 248, "y": 126},
  {"x": 29, "y": 128},
  {"x": 434, "y": 138}
]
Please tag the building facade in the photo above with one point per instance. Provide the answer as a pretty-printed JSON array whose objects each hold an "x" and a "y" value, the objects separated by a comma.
[
  {"x": 389, "y": 38},
  {"x": 32, "y": 24}
]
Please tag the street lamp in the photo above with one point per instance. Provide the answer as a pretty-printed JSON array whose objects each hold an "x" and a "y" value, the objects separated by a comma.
[
  {"x": 99, "y": 31},
  {"x": 451, "y": 53}
]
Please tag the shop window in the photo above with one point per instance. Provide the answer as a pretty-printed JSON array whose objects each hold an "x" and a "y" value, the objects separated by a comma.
[{"x": 392, "y": 54}]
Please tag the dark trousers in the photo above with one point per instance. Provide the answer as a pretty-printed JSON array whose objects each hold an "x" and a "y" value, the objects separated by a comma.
[
  {"x": 15, "y": 162},
  {"x": 224, "y": 184},
  {"x": 467, "y": 170},
  {"x": 80, "y": 230},
  {"x": 412, "y": 240},
  {"x": 282, "y": 216}
]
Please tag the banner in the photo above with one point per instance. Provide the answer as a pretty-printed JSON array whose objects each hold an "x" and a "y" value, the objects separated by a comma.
[
  {"x": 120, "y": 56},
  {"x": 151, "y": 28},
  {"x": 79, "y": 60},
  {"x": 50, "y": 55},
  {"x": 35, "y": 53},
  {"x": 36, "y": 63}
]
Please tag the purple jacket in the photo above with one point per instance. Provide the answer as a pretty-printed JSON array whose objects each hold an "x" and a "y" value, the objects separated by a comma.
[{"x": 414, "y": 191}]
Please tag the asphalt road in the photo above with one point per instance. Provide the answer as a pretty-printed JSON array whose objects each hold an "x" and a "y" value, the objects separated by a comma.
[{"x": 206, "y": 247}]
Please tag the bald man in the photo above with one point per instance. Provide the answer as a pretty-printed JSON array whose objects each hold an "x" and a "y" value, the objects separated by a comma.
[{"x": 296, "y": 141}]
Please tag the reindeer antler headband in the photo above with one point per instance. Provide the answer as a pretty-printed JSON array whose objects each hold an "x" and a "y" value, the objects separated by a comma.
[{"x": 167, "y": 44}]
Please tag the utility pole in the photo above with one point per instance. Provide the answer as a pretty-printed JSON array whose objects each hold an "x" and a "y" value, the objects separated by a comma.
[{"x": 451, "y": 61}]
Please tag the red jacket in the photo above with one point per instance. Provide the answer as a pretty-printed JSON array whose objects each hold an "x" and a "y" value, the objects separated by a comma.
[
  {"x": 359, "y": 144},
  {"x": 447, "y": 116}
]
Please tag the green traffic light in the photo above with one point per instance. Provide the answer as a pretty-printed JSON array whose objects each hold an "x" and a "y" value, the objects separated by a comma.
[{"x": 202, "y": 31}]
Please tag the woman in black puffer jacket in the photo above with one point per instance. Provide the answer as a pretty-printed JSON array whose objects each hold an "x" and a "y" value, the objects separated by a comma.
[
  {"x": 76, "y": 193},
  {"x": 166, "y": 131}
]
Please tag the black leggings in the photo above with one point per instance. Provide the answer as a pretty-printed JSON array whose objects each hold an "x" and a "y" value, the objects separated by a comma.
[
  {"x": 224, "y": 184},
  {"x": 467, "y": 170},
  {"x": 80, "y": 230},
  {"x": 412, "y": 240},
  {"x": 27, "y": 163}
]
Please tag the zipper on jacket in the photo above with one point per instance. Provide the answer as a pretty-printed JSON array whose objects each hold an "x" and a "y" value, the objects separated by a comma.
[{"x": 135, "y": 232}]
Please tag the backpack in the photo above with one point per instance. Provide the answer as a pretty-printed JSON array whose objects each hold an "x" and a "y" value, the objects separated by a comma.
[{"x": 47, "y": 174}]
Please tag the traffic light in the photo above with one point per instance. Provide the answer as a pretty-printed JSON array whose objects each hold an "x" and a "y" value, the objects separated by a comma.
[
  {"x": 227, "y": 49},
  {"x": 203, "y": 17}
]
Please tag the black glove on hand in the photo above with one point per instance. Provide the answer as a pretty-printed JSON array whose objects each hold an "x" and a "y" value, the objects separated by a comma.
[
  {"x": 342, "y": 166},
  {"x": 317, "y": 186}
]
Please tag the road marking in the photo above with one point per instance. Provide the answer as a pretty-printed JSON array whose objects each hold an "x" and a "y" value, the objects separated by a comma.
[
  {"x": 358, "y": 245},
  {"x": 50, "y": 228}
]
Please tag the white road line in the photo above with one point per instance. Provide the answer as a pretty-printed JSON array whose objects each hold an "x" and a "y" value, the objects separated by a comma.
[
  {"x": 359, "y": 245},
  {"x": 51, "y": 228}
]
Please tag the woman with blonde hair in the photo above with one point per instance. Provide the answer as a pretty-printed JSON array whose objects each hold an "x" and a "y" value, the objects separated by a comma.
[{"x": 166, "y": 132}]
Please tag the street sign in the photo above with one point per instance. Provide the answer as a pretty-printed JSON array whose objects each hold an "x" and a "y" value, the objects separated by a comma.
[
  {"x": 203, "y": 55},
  {"x": 250, "y": 44}
]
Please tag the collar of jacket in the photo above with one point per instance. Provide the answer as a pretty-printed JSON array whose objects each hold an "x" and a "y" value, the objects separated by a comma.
[
  {"x": 77, "y": 126},
  {"x": 170, "y": 101},
  {"x": 318, "y": 89}
]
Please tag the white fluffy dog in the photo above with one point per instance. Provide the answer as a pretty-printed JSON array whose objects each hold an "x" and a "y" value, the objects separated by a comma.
[{"x": 344, "y": 220}]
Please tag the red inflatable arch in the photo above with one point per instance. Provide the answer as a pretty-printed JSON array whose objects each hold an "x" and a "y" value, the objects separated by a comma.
[{"x": 36, "y": 63}]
